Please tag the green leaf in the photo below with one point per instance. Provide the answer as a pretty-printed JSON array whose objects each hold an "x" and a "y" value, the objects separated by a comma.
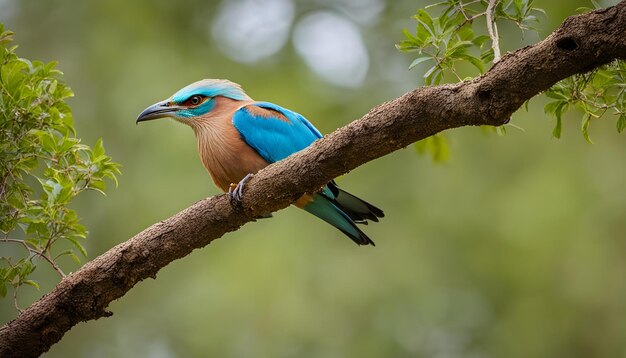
[
  {"x": 419, "y": 60},
  {"x": 11, "y": 273},
  {"x": 458, "y": 48},
  {"x": 556, "y": 109},
  {"x": 585, "y": 127},
  {"x": 466, "y": 33},
  {"x": 621, "y": 123},
  {"x": 71, "y": 254},
  {"x": 487, "y": 55},
  {"x": 74, "y": 257},
  {"x": 31, "y": 283},
  {"x": 26, "y": 268},
  {"x": 557, "y": 93},
  {"x": 550, "y": 107},
  {"x": 430, "y": 71},
  {"x": 77, "y": 245},
  {"x": 476, "y": 62},
  {"x": 441, "y": 148},
  {"x": 424, "y": 19},
  {"x": 98, "y": 150},
  {"x": 5, "y": 36},
  {"x": 98, "y": 185},
  {"x": 556, "y": 132},
  {"x": 436, "y": 145},
  {"x": 3, "y": 290},
  {"x": 479, "y": 41}
]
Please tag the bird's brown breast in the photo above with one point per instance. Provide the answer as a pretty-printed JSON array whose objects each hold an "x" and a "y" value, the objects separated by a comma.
[{"x": 223, "y": 153}]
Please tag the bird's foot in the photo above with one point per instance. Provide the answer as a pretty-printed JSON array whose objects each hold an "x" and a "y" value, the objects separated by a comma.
[{"x": 235, "y": 192}]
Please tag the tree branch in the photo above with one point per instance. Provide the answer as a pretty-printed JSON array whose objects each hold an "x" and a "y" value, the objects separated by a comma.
[{"x": 582, "y": 43}]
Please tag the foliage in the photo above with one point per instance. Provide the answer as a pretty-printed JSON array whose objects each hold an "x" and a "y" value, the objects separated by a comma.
[
  {"x": 450, "y": 39},
  {"x": 43, "y": 167},
  {"x": 595, "y": 93},
  {"x": 436, "y": 145}
]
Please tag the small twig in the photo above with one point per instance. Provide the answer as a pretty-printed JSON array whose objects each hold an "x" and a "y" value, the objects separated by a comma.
[
  {"x": 45, "y": 253},
  {"x": 17, "y": 307},
  {"x": 462, "y": 10},
  {"x": 456, "y": 74},
  {"x": 37, "y": 253},
  {"x": 50, "y": 241},
  {"x": 21, "y": 242},
  {"x": 469, "y": 20},
  {"x": 469, "y": 3},
  {"x": 54, "y": 265},
  {"x": 493, "y": 30}
]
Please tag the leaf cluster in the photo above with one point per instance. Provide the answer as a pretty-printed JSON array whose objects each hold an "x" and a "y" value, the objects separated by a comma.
[
  {"x": 446, "y": 41},
  {"x": 450, "y": 39},
  {"x": 43, "y": 167},
  {"x": 597, "y": 93}
]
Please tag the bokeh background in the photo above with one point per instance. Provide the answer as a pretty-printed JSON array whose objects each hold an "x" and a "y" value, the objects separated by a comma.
[{"x": 515, "y": 247}]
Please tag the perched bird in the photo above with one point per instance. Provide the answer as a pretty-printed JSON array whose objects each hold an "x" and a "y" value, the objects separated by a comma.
[{"x": 237, "y": 136}]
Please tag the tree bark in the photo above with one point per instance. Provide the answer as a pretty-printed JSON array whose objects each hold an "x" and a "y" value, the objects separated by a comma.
[{"x": 583, "y": 42}]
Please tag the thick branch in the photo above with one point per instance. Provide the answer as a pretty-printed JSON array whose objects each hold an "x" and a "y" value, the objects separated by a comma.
[{"x": 581, "y": 43}]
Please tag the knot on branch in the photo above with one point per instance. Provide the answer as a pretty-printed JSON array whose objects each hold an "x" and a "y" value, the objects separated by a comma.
[
  {"x": 494, "y": 113},
  {"x": 484, "y": 94},
  {"x": 567, "y": 44}
]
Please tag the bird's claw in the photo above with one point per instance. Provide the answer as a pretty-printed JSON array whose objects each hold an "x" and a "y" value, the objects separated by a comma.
[{"x": 236, "y": 191}]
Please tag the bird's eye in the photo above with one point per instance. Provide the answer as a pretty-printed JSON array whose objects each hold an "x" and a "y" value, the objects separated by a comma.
[{"x": 194, "y": 100}]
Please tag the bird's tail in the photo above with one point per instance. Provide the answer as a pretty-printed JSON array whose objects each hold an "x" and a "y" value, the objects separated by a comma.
[
  {"x": 357, "y": 209},
  {"x": 329, "y": 210}
]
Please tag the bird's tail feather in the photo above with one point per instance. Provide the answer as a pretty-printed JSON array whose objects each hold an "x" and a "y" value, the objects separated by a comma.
[
  {"x": 357, "y": 209},
  {"x": 325, "y": 209}
]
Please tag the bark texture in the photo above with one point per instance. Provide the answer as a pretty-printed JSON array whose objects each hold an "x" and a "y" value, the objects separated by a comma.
[{"x": 582, "y": 43}]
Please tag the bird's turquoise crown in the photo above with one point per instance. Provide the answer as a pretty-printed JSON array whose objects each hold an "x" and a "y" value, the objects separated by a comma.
[
  {"x": 194, "y": 100},
  {"x": 208, "y": 88}
]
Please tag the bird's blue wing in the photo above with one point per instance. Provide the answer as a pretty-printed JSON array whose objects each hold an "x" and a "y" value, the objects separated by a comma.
[{"x": 274, "y": 132}]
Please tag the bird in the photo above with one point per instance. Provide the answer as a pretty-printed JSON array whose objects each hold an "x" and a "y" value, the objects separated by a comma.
[{"x": 237, "y": 136}]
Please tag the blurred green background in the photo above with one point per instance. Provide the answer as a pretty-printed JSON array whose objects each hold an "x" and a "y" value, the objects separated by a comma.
[{"x": 515, "y": 247}]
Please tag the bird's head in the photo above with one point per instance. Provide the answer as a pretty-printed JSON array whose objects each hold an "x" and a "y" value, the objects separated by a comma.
[{"x": 194, "y": 101}]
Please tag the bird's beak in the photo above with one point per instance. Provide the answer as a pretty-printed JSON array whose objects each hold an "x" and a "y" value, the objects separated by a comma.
[{"x": 158, "y": 110}]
